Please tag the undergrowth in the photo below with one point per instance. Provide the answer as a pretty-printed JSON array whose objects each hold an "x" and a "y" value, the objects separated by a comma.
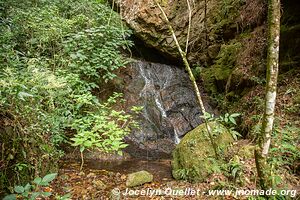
[{"x": 53, "y": 55}]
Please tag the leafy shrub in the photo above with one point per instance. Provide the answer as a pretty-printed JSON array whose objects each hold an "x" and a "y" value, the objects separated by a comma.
[
  {"x": 33, "y": 191},
  {"x": 53, "y": 55},
  {"x": 285, "y": 151},
  {"x": 103, "y": 129},
  {"x": 228, "y": 120}
]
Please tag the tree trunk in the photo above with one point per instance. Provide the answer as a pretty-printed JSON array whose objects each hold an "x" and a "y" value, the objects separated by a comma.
[{"x": 264, "y": 138}]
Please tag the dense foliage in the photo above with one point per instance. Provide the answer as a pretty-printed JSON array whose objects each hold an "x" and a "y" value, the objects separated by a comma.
[{"x": 53, "y": 55}]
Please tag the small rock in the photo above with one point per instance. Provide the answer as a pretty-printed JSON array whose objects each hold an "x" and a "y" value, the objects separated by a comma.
[
  {"x": 138, "y": 178},
  {"x": 99, "y": 184}
]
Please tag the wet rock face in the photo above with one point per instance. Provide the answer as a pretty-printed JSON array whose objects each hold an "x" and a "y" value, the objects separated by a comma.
[
  {"x": 170, "y": 107},
  {"x": 144, "y": 17}
]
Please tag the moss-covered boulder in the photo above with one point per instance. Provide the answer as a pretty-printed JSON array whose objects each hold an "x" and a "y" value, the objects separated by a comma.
[
  {"x": 246, "y": 151},
  {"x": 138, "y": 178},
  {"x": 194, "y": 158}
]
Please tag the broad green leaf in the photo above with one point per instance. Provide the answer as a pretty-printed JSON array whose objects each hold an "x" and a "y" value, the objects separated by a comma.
[
  {"x": 10, "y": 197},
  {"x": 234, "y": 171},
  {"x": 226, "y": 119},
  {"x": 46, "y": 194},
  {"x": 235, "y": 114},
  {"x": 21, "y": 95},
  {"x": 82, "y": 148},
  {"x": 66, "y": 197},
  {"x": 232, "y": 120},
  {"x": 87, "y": 143},
  {"x": 19, "y": 189},
  {"x": 37, "y": 180},
  {"x": 27, "y": 187},
  {"x": 35, "y": 195},
  {"x": 49, "y": 177}
]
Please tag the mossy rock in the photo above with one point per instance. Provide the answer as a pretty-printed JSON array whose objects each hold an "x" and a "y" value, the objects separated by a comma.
[
  {"x": 138, "y": 178},
  {"x": 246, "y": 151},
  {"x": 194, "y": 157},
  {"x": 215, "y": 77}
]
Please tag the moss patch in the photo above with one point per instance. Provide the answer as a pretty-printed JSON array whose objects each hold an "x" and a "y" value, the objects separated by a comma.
[
  {"x": 193, "y": 158},
  {"x": 138, "y": 178},
  {"x": 215, "y": 77}
]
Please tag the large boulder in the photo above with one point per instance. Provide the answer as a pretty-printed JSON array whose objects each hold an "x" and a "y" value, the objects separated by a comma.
[{"x": 194, "y": 157}]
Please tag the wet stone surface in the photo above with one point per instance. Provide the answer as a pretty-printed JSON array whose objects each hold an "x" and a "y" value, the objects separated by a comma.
[{"x": 170, "y": 107}]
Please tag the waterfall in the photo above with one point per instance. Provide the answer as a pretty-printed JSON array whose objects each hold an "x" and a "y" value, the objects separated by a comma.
[
  {"x": 176, "y": 137},
  {"x": 150, "y": 91},
  {"x": 170, "y": 106}
]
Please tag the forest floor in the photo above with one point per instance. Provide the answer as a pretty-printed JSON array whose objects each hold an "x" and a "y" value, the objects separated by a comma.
[
  {"x": 94, "y": 183},
  {"x": 107, "y": 180}
]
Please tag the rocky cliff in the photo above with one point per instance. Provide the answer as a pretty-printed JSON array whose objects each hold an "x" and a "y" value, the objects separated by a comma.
[
  {"x": 212, "y": 23},
  {"x": 144, "y": 17}
]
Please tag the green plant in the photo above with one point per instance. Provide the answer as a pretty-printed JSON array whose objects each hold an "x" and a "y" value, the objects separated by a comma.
[
  {"x": 34, "y": 190},
  {"x": 228, "y": 120},
  {"x": 185, "y": 174},
  {"x": 54, "y": 55},
  {"x": 65, "y": 197},
  {"x": 227, "y": 12},
  {"x": 214, "y": 166},
  {"x": 235, "y": 168},
  {"x": 103, "y": 129},
  {"x": 285, "y": 150}
]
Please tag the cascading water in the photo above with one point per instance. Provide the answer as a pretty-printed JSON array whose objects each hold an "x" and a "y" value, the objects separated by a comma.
[
  {"x": 150, "y": 93},
  {"x": 170, "y": 107}
]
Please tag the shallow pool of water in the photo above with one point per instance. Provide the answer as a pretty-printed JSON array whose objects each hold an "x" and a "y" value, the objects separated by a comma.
[{"x": 161, "y": 169}]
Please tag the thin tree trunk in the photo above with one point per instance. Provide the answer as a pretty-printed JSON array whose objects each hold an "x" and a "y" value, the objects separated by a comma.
[
  {"x": 264, "y": 139},
  {"x": 191, "y": 75},
  {"x": 189, "y": 26},
  {"x": 82, "y": 160}
]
